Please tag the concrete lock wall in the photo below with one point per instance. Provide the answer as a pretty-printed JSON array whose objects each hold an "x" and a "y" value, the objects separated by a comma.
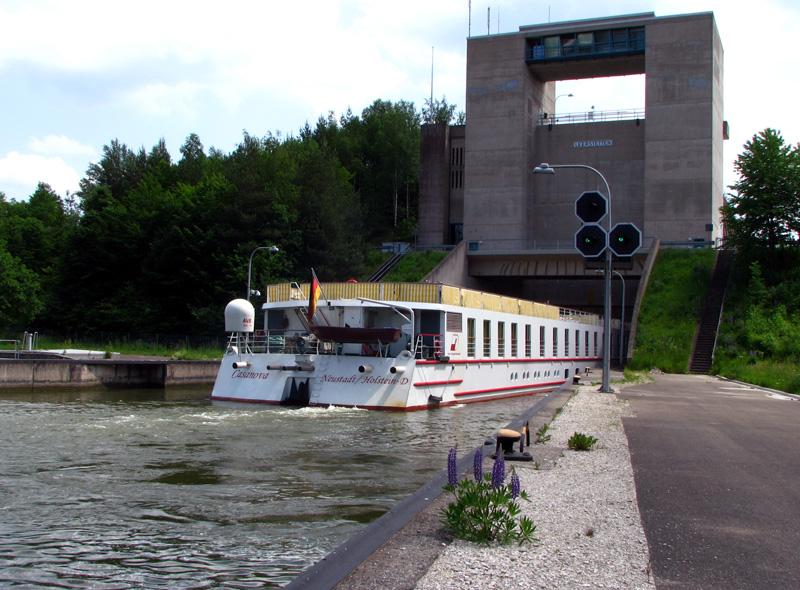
[{"x": 65, "y": 373}]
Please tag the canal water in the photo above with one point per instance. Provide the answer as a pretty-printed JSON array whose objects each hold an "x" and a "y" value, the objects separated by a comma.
[{"x": 147, "y": 489}]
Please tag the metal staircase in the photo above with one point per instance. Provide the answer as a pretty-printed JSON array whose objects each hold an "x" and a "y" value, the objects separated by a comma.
[
  {"x": 384, "y": 269},
  {"x": 705, "y": 339}
]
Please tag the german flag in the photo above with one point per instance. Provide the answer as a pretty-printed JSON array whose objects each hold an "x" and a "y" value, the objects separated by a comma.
[{"x": 313, "y": 297}]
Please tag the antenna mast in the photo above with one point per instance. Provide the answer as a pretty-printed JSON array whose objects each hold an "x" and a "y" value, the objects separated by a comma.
[{"x": 431, "y": 77}]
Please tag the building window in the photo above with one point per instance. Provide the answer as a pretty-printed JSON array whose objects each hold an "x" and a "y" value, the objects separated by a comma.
[{"x": 588, "y": 44}]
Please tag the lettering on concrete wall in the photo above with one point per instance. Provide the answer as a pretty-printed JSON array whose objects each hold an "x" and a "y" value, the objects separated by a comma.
[{"x": 593, "y": 143}]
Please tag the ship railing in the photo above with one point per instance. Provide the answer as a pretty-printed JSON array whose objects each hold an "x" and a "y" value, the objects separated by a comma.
[
  {"x": 582, "y": 317},
  {"x": 279, "y": 342},
  {"x": 428, "y": 346}
]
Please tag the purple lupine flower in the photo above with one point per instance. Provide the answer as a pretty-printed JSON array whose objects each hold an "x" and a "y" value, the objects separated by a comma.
[
  {"x": 452, "y": 476},
  {"x": 498, "y": 471},
  {"x": 515, "y": 485},
  {"x": 477, "y": 465}
]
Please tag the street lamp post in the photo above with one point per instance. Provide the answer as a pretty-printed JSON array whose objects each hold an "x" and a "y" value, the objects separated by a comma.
[
  {"x": 550, "y": 169},
  {"x": 250, "y": 265},
  {"x": 570, "y": 95}
]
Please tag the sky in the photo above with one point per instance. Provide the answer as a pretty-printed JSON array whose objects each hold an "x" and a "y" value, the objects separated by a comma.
[{"x": 77, "y": 74}]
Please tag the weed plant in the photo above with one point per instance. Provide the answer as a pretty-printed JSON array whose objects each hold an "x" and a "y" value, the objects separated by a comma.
[
  {"x": 581, "y": 442},
  {"x": 485, "y": 508},
  {"x": 541, "y": 434}
]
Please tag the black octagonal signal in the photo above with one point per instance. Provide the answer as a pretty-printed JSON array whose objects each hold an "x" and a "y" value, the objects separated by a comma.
[
  {"x": 624, "y": 239},
  {"x": 590, "y": 240},
  {"x": 591, "y": 207}
]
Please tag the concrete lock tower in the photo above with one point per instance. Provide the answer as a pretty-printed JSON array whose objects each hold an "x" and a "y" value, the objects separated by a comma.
[{"x": 663, "y": 163}]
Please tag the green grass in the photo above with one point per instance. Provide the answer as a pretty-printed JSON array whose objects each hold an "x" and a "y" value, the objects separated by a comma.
[
  {"x": 780, "y": 375},
  {"x": 414, "y": 266},
  {"x": 671, "y": 309},
  {"x": 138, "y": 348}
]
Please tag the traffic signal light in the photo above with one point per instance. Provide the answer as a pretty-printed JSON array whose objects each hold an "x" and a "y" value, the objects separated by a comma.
[
  {"x": 591, "y": 207},
  {"x": 624, "y": 239},
  {"x": 590, "y": 240}
]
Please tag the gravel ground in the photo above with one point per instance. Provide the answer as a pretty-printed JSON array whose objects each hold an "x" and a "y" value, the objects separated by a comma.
[{"x": 584, "y": 507}]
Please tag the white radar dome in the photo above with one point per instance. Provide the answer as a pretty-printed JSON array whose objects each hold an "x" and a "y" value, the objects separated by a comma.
[{"x": 239, "y": 316}]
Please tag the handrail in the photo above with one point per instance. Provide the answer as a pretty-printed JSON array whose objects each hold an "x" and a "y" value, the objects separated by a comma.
[
  {"x": 631, "y": 114},
  {"x": 16, "y": 347}
]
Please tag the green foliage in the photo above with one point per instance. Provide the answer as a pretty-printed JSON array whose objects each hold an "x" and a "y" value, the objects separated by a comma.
[
  {"x": 778, "y": 375},
  {"x": 671, "y": 309},
  {"x": 414, "y": 266},
  {"x": 481, "y": 514},
  {"x": 759, "y": 339},
  {"x": 19, "y": 302},
  {"x": 763, "y": 214},
  {"x": 162, "y": 246},
  {"x": 176, "y": 350},
  {"x": 440, "y": 111},
  {"x": 485, "y": 507},
  {"x": 581, "y": 442}
]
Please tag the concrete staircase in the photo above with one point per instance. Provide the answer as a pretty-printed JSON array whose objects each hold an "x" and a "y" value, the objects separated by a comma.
[{"x": 705, "y": 339}]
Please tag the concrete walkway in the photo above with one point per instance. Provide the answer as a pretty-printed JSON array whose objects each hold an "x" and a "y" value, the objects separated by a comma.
[{"x": 717, "y": 474}]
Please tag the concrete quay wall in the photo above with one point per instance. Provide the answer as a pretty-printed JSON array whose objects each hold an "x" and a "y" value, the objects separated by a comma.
[{"x": 69, "y": 373}]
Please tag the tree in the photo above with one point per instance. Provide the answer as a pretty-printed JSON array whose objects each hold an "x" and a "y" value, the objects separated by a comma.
[
  {"x": 439, "y": 111},
  {"x": 762, "y": 216},
  {"x": 389, "y": 135},
  {"x": 19, "y": 293}
]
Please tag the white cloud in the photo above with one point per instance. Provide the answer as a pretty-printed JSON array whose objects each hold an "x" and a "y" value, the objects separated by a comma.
[
  {"x": 60, "y": 145},
  {"x": 25, "y": 171},
  {"x": 167, "y": 100}
]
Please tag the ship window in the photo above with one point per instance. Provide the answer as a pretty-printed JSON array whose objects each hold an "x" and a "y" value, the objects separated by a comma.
[
  {"x": 471, "y": 337},
  {"x": 577, "y": 343},
  {"x": 514, "y": 328},
  {"x": 566, "y": 343},
  {"x": 541, "y": 341},
  {"x": 501, "y": 339},
  {"x": 555, "y": 341},
  {"x": 586, "y": 342},
  {"x": 487, "y": 338},
  {"x": 528, "y": 351},
  {"x": 453, "y": 321},
  {"x": 595, "y": 344}
]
